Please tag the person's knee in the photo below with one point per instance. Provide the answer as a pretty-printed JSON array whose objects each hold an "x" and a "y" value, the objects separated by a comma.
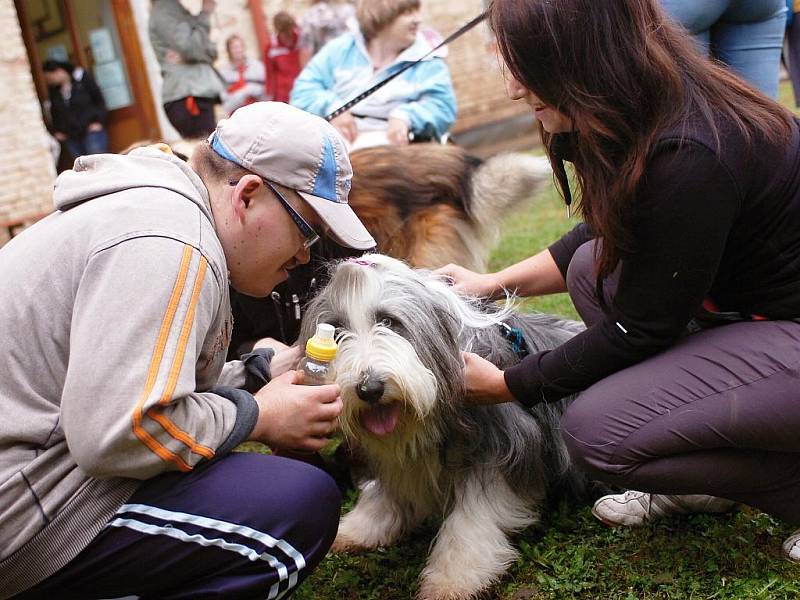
[
  {"x": 580, "y": 269},
  {"x": 280, "y": 494},
  {"x": 322, "y": 502},
  {"x": 582, "y": 428}
]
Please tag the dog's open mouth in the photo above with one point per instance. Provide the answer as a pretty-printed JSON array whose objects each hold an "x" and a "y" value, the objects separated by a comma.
[{"x": 381, "y": 419}]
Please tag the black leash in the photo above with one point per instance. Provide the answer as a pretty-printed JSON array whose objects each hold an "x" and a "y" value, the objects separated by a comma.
[{"x": 348, "y": 105}]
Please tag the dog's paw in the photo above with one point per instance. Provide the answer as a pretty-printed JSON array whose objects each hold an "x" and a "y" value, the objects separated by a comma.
[
  {"x": 343, "y": 544},
  {"x": 353, "y": 539},
  {"x": 434, "y": 588}
]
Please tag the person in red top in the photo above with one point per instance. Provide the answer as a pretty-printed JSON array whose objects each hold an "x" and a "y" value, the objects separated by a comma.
[{"x": 283, "y": 57}]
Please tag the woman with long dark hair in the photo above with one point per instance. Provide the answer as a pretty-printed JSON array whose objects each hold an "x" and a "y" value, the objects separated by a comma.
[{"x": 686, "y": 269}]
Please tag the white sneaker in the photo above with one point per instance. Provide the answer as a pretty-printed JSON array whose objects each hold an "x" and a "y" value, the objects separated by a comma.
[
  {"x": 791, "y": 547},
  {"x": 637, "y": 508}
]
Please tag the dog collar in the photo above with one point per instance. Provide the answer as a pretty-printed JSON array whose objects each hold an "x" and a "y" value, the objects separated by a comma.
[{"x": 517, "y": 339}]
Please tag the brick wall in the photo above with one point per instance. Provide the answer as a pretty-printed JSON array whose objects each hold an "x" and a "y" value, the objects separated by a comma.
[{"x": 26, "y": 179}]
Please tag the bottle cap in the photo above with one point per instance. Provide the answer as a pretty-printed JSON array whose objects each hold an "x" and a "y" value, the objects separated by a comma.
[{"x": 322, "y": 346}]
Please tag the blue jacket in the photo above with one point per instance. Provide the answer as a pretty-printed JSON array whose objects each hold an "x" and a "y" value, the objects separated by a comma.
[{"x": 422, "y": 96}]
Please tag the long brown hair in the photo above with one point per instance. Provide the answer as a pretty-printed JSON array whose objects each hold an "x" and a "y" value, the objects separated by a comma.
[{"x": 624, "y": 73}]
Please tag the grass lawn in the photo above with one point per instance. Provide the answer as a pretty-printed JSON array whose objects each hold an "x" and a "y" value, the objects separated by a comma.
[{"x": 570, "y": 555}]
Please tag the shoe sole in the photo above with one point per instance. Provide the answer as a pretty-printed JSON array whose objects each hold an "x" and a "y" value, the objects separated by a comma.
[{"x": 608, "y": 523}]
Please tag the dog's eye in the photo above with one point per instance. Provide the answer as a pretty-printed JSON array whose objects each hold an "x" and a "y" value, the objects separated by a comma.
[{"x": 385, "y": 320}]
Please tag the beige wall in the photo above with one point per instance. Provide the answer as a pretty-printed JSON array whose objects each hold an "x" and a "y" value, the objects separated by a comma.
[{"x": 26, "y": 179}]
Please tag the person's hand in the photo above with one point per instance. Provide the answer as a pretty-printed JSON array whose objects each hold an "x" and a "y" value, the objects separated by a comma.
[
  {"x": 296, "y": 417},
  {"x": 485, "y": 383},
  {"x": 269, "y": 342},
  {"x": 61, "y": 137},
  {"x": 95, "y": 126},
  {"x": 397, "y": 132},
  {"x": 284, "y": 360},
  {"x": 209, "y": 6},
  {"x": 172, "y": 57},
  {"x": 346, "y": 125},
  {"x": 483, "y": 285}
]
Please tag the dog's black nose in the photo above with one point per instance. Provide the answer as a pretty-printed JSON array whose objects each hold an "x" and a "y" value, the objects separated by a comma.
[{"x": 370, "y": 388}]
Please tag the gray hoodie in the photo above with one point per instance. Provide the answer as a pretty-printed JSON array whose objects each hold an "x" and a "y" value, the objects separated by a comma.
[{"x": 115, "y": 321}]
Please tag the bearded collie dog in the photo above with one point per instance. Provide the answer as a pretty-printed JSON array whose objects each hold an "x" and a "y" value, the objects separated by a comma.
[{"x": 485, "y": 471}]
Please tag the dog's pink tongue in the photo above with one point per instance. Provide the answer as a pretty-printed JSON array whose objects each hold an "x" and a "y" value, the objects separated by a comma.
[{"x": 381, "y": 419}]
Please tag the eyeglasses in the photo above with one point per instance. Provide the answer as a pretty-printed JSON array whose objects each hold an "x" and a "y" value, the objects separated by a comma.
[{"x": 310, "y": 236}]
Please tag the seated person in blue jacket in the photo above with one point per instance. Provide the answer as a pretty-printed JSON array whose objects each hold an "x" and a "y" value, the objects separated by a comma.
[{"x": 419, "y": 105}]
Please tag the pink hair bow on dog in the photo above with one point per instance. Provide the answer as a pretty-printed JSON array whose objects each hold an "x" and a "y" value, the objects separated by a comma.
[{"x": 361, "y": 261}]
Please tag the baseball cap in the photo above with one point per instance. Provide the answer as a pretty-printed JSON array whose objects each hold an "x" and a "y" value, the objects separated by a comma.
[{"x": 300, "y": 151}]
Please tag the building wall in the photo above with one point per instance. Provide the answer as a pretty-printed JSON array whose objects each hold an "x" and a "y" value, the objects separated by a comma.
[{"x": 26, "y": 179}]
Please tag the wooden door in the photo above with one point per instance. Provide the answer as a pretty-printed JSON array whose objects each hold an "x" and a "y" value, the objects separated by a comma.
[{"x": 101, "y": 37}]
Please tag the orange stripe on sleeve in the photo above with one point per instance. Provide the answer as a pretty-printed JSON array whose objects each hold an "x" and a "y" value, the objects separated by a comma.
[
  {"x": 155, "y": 362},
  {"x": 174, "y": 373}
]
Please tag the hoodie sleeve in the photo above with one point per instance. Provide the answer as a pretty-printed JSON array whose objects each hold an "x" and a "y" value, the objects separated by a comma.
[
  {"x": 146, "y": 312},
  {"x": 432, "y": 110},
  {"x": 313, "y": 88}
]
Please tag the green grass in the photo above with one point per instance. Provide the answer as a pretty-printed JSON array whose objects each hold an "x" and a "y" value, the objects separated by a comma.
[
  {"x": 571, "y": 555},
  {"x": 528, "y": 232}
]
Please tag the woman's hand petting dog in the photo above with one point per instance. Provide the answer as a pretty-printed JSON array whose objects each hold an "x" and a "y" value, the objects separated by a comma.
[
  {"x": 485, "y": 383},
  {"x": 470, "y": 283},
  {"x": 293, "y": 416}
]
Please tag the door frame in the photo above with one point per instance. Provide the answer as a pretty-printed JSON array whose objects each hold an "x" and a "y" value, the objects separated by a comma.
[{"x": 143, "y": 108}]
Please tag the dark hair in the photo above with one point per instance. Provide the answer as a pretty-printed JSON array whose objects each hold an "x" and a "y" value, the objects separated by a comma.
[
  {"x": 51, "y": 65},
  {"x": 623, "y": 73},
  {"x": 211, "y": 167}
]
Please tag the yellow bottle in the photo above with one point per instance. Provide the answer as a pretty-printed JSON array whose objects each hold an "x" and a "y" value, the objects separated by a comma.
[{"x": 320, "y": 352}]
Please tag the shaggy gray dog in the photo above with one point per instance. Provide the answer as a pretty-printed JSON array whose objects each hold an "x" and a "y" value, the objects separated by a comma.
[{"x": 486, "y": 470}]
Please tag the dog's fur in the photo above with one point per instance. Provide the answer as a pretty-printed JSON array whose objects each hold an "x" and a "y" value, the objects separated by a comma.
[
  {"x": 430, "y": 204},
  {"x": 486, "y": 470}
]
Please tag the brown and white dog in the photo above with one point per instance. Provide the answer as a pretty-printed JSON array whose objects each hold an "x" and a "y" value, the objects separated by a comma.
[{"x": 432, "y": 204}]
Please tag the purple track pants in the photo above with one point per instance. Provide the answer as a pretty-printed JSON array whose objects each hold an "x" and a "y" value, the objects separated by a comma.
[
  {"x": 718, "y": 413},
  {"x": 244, "y": 526}
]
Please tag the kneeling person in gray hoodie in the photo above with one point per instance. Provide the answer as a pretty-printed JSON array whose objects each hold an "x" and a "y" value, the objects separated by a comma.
[{"x": 118, "y": 412}]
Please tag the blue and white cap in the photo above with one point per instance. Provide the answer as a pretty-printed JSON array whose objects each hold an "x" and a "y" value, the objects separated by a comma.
[{"x": 296, "y": 150}]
